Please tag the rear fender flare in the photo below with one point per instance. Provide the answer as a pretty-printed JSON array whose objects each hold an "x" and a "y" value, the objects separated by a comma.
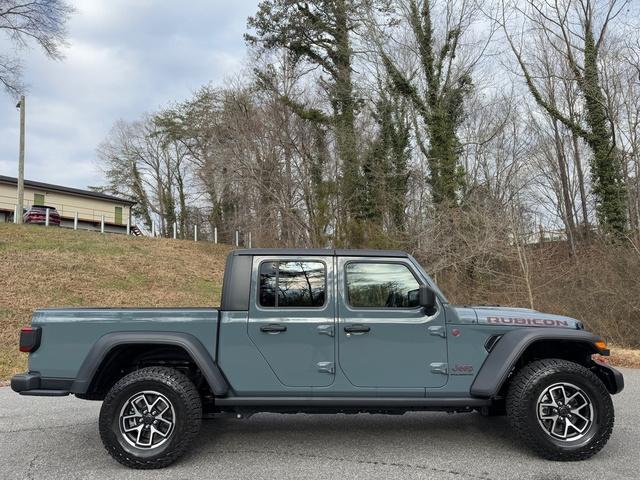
[
  {"x": 509, "y": 349},
  {"x": 194, "y": 348}
]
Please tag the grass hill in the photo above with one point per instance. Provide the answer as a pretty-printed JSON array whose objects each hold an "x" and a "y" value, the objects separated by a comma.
[{"x": 57, "y": 267}]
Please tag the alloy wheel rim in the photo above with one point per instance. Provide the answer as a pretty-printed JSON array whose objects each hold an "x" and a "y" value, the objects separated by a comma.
[
  {"x": 147, "y": 420},
  {"x": 565, "y": 412}
]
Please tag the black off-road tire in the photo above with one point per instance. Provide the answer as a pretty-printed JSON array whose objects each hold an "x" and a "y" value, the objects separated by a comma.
[
  {"x": 185, "y": 400},
  {"x": 522, "y": 409}
]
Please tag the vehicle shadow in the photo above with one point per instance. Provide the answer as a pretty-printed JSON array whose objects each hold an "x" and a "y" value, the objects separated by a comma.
[
  {"x": 414, "y": 445},
  {"x": 343, "y": 434}
]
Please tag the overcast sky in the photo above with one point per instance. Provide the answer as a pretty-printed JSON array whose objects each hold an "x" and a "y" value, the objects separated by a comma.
[{"x": 126, "y": 57}]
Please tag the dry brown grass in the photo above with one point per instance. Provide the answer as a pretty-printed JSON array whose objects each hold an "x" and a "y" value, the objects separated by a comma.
[
  {"x": 600, "y": 285},
  {"x": 624, "y": 357},
  {"x": 63, "y": 268}
]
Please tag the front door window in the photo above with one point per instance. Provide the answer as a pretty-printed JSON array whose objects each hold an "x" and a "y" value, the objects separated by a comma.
[{"x": 381, "y": 285}]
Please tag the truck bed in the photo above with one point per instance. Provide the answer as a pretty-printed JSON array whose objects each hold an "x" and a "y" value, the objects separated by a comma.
[{"x": 69, "y": 333}]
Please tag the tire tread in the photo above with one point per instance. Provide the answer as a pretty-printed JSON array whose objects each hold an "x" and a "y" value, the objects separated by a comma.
[
  {"x": 173, "y": 379},
  {"x": 519, "y": 393}
]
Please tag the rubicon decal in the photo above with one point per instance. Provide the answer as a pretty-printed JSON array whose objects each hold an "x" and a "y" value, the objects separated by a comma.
[{"x": 529, "y": 322}]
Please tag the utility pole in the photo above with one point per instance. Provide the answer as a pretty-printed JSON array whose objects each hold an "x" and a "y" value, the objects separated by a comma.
[{"x": 21, "y": 163}]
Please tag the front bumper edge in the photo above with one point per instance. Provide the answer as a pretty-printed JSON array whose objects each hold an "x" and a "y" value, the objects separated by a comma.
[{"x": 611, "y": 377}]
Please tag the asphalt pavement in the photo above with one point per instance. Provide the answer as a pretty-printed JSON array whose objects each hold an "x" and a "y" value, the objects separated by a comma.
[{"x": 57, "y": 438}]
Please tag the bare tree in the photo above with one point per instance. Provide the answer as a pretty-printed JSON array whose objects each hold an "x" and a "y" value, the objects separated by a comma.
[
  {"x": 575, "y": 31},
  {"x": 621, "y": 67},
  {"x": 24, "y": 22},
  {"x": 141, "y": 162},
  {"x": 438, "y": 85}
]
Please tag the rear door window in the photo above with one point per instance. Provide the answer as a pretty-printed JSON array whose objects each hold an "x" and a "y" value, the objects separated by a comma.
[{"x": 292, "y": 284}]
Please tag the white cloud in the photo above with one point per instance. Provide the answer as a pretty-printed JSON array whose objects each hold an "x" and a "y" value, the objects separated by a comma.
[{"x": 125, "y": 58}]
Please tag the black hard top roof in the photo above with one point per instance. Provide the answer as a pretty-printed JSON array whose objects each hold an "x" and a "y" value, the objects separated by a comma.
[{"x": 321, "y": 252}]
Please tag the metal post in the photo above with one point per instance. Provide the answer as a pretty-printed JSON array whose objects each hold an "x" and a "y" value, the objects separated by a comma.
[
  {"x": 128, "y": 226},
  {"x": 195, "y": 233},
  {"x": 102, "y": 224},
  {"x": 249, "y": 239},
  {"x": 175, "y": 230},
  {"x": 237, "y": 239},
  {"x": 46, "y": 218},
  {"x": 153, "y": 229},
  {"x": 15, "y": 214},
  {"x": 215, "y": 234},
  {"x": 75, "y": 221},
  {"x": 21, "y": 162}
]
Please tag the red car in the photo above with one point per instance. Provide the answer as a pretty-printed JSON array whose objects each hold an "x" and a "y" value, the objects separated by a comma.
[{"x": 37, "y": 214}]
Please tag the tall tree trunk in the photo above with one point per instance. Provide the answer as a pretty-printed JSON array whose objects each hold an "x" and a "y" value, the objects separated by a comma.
[
  {"x": 344, "y": 107},
  {"x": 567, "y": 207},
  {"x": 606, "y": 170},
  {"x": 583, "y": 195},
  {"x": 182, "y": 199}
]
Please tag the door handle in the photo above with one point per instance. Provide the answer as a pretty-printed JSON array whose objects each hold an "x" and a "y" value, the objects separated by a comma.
[
  {"x": 357, "y": 329},
  {"x": 438, "y": 331},
  {"x": 273, "y": 328}
]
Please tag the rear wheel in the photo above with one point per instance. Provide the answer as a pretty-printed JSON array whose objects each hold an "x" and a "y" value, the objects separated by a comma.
[
  {"x": 560, "y": 409},
  {"x": 150, "y": 417}
]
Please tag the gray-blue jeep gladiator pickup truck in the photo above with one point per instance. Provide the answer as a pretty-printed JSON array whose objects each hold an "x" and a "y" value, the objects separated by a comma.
[{"x": 318, "y": 331}]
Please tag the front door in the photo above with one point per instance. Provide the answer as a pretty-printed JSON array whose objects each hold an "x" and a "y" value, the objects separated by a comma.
[
  {"x": 292, "y": 318},
  {"x": 385, "y": 339}
]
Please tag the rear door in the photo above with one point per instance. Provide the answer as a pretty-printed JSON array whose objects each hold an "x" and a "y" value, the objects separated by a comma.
[
  {"x": 292, "y": 318},
  {"x": 385, "y": 339}
]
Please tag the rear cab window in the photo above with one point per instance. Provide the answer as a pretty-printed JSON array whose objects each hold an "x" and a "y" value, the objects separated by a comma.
[{"x": 292, "y": 284}]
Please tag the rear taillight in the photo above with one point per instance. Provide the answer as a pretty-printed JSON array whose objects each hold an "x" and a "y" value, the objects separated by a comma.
[{"x": 30, "y": 339}]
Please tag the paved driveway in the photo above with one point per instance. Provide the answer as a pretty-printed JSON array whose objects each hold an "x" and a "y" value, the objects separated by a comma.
[{"x": 58, "y": 438}]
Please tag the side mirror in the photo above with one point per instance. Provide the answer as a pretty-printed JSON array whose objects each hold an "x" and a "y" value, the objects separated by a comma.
[{"x": 428, "y": 299}]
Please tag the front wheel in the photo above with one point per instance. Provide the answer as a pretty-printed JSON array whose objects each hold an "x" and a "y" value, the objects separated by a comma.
[
  {"x": 150, "y": 417},
  {"x": 560, "y": 409}
]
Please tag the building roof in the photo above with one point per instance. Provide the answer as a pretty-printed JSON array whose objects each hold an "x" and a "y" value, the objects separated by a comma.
[
  {"x": 320, "y": 252},
  {"x": 68, "y": 190}
]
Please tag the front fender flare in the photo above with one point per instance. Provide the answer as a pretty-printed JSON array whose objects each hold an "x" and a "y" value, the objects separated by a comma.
[
  {"x": 202, "y": 358},
  {"x": 509, "y": 349}
]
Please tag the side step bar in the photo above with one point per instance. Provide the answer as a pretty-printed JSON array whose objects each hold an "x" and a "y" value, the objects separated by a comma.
[
  {"x": 354, "y": 402},
  {"x": 45, "y": 393}
]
